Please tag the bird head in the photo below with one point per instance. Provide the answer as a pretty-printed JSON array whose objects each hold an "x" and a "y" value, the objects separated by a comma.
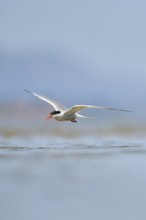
[{"x": 53, "y": 114}]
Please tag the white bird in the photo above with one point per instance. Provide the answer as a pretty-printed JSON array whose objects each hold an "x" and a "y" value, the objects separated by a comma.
[{"x": 62, "y": 113}]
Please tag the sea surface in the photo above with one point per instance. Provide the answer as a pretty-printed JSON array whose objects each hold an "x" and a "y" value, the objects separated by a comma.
[{"x": 65, "y": 175}]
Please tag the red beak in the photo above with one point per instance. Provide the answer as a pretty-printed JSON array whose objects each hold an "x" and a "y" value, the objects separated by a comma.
[{"x": 49, "y": 117}]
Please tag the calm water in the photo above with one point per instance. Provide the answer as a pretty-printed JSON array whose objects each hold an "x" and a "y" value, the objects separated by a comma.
[{"x": 57, "y": 177}]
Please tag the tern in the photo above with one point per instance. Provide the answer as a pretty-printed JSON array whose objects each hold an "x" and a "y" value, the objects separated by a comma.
[{"x": 61, "y": 113}]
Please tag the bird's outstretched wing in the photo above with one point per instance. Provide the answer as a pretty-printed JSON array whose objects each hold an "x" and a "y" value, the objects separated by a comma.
[
  {"x": 77, "y": 108},
  {"x": 54, "y": 103}
]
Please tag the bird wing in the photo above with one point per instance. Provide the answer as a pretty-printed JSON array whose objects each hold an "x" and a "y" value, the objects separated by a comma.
[
  {"x": 77, "y": 108},
  {"x": 55, "y": 104}
]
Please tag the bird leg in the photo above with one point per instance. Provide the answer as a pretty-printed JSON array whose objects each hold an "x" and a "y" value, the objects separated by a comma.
[{"x": 74, "y": 120}]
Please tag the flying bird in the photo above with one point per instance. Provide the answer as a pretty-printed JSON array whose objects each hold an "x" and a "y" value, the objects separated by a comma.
[{"x": 61, "y": 113}]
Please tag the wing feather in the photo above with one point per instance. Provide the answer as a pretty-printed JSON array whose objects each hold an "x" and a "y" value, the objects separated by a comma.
[
  {"x": 54, "y": 103},
  {"x": 78, "y": 108}
]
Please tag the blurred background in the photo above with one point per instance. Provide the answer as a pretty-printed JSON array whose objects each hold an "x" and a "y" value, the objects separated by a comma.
[{"x": 76, "y": 52}]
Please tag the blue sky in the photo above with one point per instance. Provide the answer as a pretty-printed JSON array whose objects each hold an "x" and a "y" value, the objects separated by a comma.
[{"x": 100, "y": 43}]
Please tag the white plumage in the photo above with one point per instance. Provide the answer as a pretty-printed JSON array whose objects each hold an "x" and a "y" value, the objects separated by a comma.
[{"x": 62, "y": 113}]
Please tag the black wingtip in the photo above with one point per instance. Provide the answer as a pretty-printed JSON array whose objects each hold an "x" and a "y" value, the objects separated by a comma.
[
  {"x": 123, "y": 110},
  {"x": 128, "y": 111},
  {"x": 27, "y": 91}
]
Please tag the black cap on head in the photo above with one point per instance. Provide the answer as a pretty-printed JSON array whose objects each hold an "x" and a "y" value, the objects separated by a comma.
[{"x": 55, "y": 112}]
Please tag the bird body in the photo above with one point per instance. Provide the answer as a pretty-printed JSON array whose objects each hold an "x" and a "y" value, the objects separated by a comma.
[
  {"x": 63, "y": 117},
  {"x": 62, "y": 113}
]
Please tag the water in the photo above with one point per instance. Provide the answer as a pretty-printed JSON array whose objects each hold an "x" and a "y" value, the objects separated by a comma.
[{"x": 74, "y": 177}]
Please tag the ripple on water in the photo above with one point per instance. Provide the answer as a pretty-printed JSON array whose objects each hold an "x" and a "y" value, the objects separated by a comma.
[{"x": 85, "y": 146}]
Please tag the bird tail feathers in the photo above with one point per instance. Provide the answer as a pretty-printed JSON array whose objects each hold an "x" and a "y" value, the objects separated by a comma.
[{"x": 82, "y": 116}]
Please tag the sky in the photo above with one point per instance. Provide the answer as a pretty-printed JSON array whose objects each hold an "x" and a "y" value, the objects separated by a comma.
[{"x": 99, "y": 47}]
